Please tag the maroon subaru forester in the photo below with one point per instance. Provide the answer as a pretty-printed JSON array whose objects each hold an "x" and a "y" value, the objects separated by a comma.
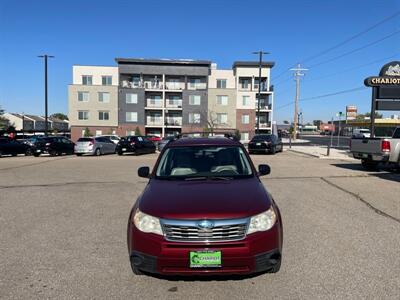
[{"x": 204, "y": 211}]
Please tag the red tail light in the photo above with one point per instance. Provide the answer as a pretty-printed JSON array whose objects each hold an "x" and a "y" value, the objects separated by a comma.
[{"x": 385, "y": 146}]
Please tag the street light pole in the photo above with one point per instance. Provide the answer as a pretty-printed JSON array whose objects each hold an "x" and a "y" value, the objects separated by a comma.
[
  {"x": 260, "y": 53},
  {"x": 45, "y": 56}
]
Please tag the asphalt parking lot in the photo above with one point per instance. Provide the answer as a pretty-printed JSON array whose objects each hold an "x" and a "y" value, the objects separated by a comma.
[{"x": 63, "y": 232}]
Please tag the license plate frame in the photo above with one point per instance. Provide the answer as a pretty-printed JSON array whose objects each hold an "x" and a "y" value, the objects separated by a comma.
[{"x": 205, "y": 259}]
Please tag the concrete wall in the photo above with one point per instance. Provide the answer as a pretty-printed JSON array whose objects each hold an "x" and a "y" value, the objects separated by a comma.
[
  {"x": 96, "y": 72},
  {"x": 93, "y": 105},
  {"x": 222, "y": 74},
  {"x": 230, "y": 109}
]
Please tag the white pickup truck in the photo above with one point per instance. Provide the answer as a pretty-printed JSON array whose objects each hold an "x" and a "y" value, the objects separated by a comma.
[{"x": 373, "y": 151}]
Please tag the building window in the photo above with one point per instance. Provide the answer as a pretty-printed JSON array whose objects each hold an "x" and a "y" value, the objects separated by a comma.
[
  {"x": 194, "y": 99},
  {"x": 245, "y": 100},
  {"x": 83, "y": 96},
  {"x": 245, "y": 119},
  {"x": 131, "y": 98},
  {"x": 99, "y": 132},
  {"x": 194, "y": 83},
  {"x": 221, "y": 83},
  {"x": 104, "y": 97},
  {"x": 83, "y": 115},
  {"x": 222, "y": 100},
  {"x": 131, "y": 116},
  {"x": 222, "y": 118},
  {"x": 194, "y": 118},
  {"x": 244, "y": 84},
  {"x": 106, "y": 80},
  {"x": 87, "y": 80},
  {"x": 104, "y": 115},
  {"x": 244, "y": 136}
]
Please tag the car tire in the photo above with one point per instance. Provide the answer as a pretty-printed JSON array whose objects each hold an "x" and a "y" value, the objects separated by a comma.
[
  {"x": 36, "y": 154},
  {"x": 369, "y": 165},
  {"x": 53, "y": 153},
  {"x": 273, "y": 150},
  {"x": 276, "y": 268},
  {"x": 97, "y": 152},
  {"x": 120, "y": 153},
  {"x": 136, "y": 271},
  {"x": 14, "y": 154},
  {"x": 1, "y": 153},
  {"x": 78, "y": 154},
  {"x": 28, "y": 152}
]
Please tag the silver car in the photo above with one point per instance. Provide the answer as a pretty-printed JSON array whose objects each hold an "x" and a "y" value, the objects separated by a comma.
[
  {"x": 114, "y": 138},
  {"x": 94, "y": 146}
]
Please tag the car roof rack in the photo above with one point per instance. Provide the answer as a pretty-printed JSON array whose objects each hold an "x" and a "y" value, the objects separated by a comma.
[{"x": 214, "y": 134}]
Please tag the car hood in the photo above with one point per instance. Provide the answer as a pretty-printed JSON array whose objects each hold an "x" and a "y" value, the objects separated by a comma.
[{"x": 236, "y": 198}]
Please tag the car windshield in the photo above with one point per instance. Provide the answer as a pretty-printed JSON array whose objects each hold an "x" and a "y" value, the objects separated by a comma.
[
  {"x": 204, "y": 162},
  {"x": 263, "y": 137}
]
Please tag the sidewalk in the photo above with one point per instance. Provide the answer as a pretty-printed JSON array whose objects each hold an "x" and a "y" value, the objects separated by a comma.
[
  {"x": 321, "y": 152},
  {"x": 297, "y": 141}
]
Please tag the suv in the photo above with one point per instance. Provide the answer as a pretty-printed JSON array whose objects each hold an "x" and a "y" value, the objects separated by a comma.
[
  {"x": 265, "y": 143},
  {"x": 204, "y": 211},
  {"x": 136, "y": 145},
  {"x": 53, "y": 145}
]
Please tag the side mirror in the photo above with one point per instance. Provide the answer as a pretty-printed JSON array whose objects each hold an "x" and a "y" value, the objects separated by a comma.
[
  {"x": 144, "y": 172},
  {"x": 263, "y": 170}
]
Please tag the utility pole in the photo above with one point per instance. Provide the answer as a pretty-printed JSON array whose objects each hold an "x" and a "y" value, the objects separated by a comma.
[
  {"x": 260, "y": 53},
  {"x": 45, "y": 56},
  {"x": 297, "y": 74}
]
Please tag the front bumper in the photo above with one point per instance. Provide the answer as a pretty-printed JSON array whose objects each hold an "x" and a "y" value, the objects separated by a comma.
[{"x": 258, "y": 252}]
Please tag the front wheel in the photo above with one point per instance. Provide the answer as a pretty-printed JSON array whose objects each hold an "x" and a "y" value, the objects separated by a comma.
[
  {"x": 28, "y": 152},
  {"x": 273, "y": 150},
  {"x": 97, "y": 152},
  {"x": 36, "y": 154},
  {"x": 78, "y": 154},
  {"x": 135, "y": 270},
  {"x": 53, "y": 153}
]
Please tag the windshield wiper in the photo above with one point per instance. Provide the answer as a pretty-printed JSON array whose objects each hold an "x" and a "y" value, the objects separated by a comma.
[{"x": 208, "y": 178}]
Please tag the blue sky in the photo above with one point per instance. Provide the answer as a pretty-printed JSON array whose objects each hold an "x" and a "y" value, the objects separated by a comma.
[{"x": 95, "y": 32}]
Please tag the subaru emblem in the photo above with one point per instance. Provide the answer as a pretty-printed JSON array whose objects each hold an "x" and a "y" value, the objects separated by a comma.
[{"x": 205, "y": 224}]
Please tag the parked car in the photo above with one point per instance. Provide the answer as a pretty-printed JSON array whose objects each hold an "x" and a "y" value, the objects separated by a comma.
[
  {"x": 12, "y": 147},
  {"x": 205, "y": 211},
  {"x": 114, "y": 138},
  {"x": 53, "y": 145},
  {"x": 136, "y": 145},
  {"x": 154, "y": 138},
  {"x": 361, "y": 133},
  {"x": 264, "y": 143},
  {"x": 373, "y": 151},
  {"x": 94, "y": 146},
  {"x": 164, "y": 141}
]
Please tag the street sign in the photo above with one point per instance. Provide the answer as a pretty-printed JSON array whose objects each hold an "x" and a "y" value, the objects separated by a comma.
[{"x": 340, "y": 114}]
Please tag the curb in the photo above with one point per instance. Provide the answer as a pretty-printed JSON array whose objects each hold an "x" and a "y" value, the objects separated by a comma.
[{"x": 304, "y": 153}]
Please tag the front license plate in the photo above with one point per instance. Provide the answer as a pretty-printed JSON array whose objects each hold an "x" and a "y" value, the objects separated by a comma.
[
  {"x": 258, "y": 144},
  {"x": 123, "y": 149},
  {"x": 205, "y": 259}
]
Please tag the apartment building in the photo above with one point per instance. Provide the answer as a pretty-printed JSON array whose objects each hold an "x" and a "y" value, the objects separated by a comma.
[
  {"x": 33, "y": 123},
  {"x": 164, "y": 97},
  {"x": 93, "y": 100}
]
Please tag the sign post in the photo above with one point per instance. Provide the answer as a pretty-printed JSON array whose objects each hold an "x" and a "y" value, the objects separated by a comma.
[
  {"x": 385, "y": 90},
  {"x": 339, "y": 114}
]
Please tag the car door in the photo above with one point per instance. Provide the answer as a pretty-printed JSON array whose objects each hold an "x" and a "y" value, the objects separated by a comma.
[
  {"x": 139, "y": 144},
  {"x": 67, "y": 145}
]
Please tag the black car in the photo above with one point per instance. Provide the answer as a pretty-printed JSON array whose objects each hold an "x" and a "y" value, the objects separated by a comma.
[
  {"x": 265, "y": 143},
  {"x": 136, "y": 145},
  {"x": 53, "y": 145},
  {"x": 12, "y": 147}
]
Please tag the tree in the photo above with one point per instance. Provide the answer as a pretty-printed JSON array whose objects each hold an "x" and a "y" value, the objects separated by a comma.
[
  {"x": 237, "y": 135},
  {"x": 317, "y": 123},
  {"x": 362, "y": 117},
  {"x": 137, "y": 131},
  {"x": 59, "y": 116},
  {"x": 4, "y": 123},
  {"x": 87, "y": 132},
  {"x": 286, "y": 122}
]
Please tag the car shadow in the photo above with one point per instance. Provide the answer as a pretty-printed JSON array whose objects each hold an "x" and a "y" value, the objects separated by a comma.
[{"x": 383, "y": 172}]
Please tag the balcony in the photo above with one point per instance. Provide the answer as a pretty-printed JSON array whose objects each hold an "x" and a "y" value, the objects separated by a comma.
[
  {"x": 154, "y": 103},
  {"x": 264, "y": 106},
  {"x": 173, "y": 103},
  {"x": 173, "y": 121},
  {"x": 154, "y": 121},
  {"x": 174, "y": 85},
  {"x": 264, "y": 124}
]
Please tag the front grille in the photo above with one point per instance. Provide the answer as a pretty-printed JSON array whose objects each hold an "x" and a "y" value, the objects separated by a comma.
[{"x": 188, "y": 231}]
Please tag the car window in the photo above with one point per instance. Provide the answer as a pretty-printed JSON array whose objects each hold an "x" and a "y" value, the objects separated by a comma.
[
  {"x": 204, "y": 161},
  {"x": 140, "y": 139},
  {"x": 396, "y": 134},
  {"x": 262, "y": 137},
  {"x": 85, "y": 140}
]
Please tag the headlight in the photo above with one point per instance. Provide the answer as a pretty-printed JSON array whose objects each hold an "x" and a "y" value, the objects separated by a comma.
[
  {"x": 262, "y": 222},
  {"x": 147, "y": 223}
]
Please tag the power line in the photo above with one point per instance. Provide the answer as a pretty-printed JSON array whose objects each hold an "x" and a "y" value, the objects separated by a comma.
[
  {"x": 341, "y": 43},
  {"x": 355, "y": 50},
  {"x": 324, "y": 96},
  {"x": 352, "y": 37}
]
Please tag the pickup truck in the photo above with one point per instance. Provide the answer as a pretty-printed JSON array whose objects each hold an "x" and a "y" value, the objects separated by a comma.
[{"x": 373, "y": 151}]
